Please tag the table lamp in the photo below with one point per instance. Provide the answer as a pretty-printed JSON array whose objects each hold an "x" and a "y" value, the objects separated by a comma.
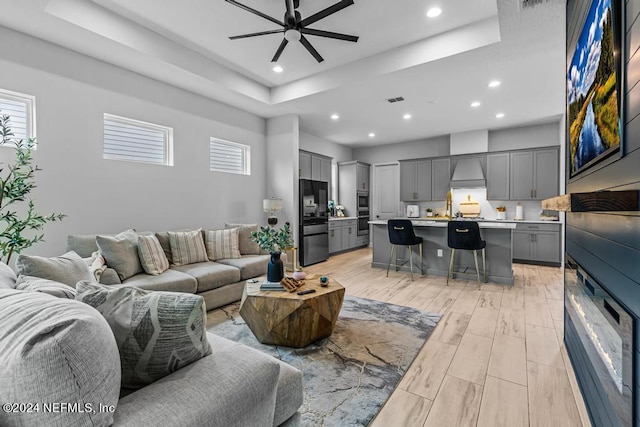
[{"x": 271, "y": 206}]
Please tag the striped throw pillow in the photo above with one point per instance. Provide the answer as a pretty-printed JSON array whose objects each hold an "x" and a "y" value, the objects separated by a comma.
[
  {"x": 222, "y": 244},
  {"x": 152, "y": 256},
  {"x": 187, "y": 247}
]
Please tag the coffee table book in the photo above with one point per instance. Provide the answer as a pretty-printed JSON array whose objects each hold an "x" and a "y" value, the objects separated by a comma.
[{"x": 271, "y": 286}]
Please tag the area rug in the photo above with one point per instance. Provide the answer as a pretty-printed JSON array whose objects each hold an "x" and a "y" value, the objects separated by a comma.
[{"x": 350, "y": 375}]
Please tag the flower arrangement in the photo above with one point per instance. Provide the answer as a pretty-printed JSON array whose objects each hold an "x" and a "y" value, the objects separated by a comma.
[{"x": 271, "y": 240}]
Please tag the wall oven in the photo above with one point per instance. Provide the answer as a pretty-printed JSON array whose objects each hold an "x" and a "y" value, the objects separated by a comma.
[
  {"x": 363, "y": 224},
  {"x": 363, "y": 201}
]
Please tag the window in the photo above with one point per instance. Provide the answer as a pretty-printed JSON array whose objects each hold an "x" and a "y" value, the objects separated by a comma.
[
  {"x": 229, "y": 157},
  {"x": 136, "y": 141},
  {"x": 22, "y": 109}
]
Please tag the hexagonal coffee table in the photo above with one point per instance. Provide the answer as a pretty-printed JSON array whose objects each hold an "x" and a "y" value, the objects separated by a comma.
[{"x": 289, "y": 319}]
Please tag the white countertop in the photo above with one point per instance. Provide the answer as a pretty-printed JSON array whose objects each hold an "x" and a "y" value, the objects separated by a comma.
[
  {"x": 522, "y": 221},
  {"x": 341, "y": 218},
  {"x": 441, "y": 223}
]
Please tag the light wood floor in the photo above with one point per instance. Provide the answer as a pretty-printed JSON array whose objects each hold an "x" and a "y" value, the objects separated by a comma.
[{"x": 496, "y": 357}]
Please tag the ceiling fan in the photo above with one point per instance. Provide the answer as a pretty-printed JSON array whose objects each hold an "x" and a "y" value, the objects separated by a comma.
[{"x": 295, "y": 28}]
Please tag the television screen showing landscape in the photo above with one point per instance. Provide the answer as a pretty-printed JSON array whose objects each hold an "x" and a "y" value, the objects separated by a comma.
[{"x": 592, "y": 91}]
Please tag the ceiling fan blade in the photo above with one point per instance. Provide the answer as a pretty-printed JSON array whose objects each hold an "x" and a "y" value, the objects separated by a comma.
[
  {"x": 329, "y": 34},
  {"x": 255, "y": 12},
  {"x": 279, "y": 51},
  {"x": 261, "y": 33},
  {"x": 325, "y": 12},
  {"x": 311, "y": 49}
]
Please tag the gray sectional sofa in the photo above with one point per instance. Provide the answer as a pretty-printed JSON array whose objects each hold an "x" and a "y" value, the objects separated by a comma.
[{"x": 219, "y": 283}]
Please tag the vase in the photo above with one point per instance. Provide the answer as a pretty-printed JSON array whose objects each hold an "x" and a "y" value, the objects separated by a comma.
[{"x": 275, "y": 268}]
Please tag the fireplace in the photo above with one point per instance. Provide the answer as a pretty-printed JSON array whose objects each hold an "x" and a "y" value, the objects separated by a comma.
[{"x": 599, "y": 340}]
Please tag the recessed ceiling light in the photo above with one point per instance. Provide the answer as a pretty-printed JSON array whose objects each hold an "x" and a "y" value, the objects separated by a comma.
[
  {"x": 475, "y": 104},
  {"x": 371, "y": 135},
  {"x": 277, "y": 69},
  {"x": 335, "y": 116},
  {"x": 434, "y": 12},
  {"x": 494, "y": 83},
  {"x": 499, "y": 115},
  {"x": 406, "y": 116}
]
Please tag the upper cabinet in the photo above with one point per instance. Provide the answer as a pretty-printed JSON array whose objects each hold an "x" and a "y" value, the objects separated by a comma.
[
  {"x": 440, "y": 178},
  {"x": 498, "y": 176},
  {"x": 415, "y": 180},
  {"x": 314, "y": 166},
  {"x": 362, "y": 178},
  {"x": 534, "y": 175}
]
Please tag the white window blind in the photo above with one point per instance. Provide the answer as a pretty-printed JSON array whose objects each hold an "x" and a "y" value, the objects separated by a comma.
[
  {"x": 135, "y": 141},
  {"x": 229, "y": 157},
  {"x": 21, "y": 108}
]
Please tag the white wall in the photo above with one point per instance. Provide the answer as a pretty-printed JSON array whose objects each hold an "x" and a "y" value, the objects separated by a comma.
[
  {"x": 431, "y": 147},
  {"x": 72, "y": 92},
  {"x": 545, "y": 135}
]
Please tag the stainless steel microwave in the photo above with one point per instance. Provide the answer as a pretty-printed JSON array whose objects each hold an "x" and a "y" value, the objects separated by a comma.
[{"x": 363, "y": 200}]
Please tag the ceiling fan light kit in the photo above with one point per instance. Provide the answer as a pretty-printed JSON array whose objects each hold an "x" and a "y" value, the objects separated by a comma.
[{"x": 295, "y": 28}]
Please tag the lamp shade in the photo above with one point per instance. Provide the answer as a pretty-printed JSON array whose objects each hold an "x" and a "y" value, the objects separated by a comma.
[{"x": 272, "y": 205}]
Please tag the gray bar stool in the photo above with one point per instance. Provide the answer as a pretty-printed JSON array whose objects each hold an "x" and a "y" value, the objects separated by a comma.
[
  {"x": 465, "y": 235},
  {"x": 401, "y": 234}
]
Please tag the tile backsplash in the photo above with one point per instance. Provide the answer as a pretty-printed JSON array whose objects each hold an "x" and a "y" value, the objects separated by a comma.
[{"x": 487, "y": 208}]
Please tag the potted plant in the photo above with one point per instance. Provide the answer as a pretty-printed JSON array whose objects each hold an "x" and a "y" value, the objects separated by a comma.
[
  {"x": 429, "y": 212},
  {"x": 274, "y": 241},
  {"x": 15, "y": 187}
]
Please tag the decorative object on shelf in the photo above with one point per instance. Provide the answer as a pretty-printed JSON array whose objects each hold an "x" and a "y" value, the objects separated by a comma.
[
  {"x": 15, "y": 188},
  {"x": 291, "y": 284},
  {"x": 502, "y": 212},
  {"x": 597, "y": 201},
  {"x": 593, "y": 88},
  {"x": 272, "y": 240},
  {"x": 295, "y": 28},
  {"x": 299, "y": 274},
  {"x": 470, "y": 208},
  {"x": 340, "y": 210},
  {"x": 519, "y": 213},
  {"x": 332, "y": 207},
  {"x": 271, "y": 206},
  {"x": 291, "y": 261},
  {"x": 429, "y": 212},
  {"x": 324, "y": 281}
]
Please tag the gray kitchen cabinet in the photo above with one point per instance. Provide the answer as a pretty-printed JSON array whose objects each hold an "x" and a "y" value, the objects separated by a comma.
[
  {"x": 498, "y": 176},
  {"x": 343, "y": 235},
  {"x": 316, "y": 172},
  {"x": 440, "y": 178},
  {"x": 325, "y": 169},
  {"x": 537, "y": 243},
  {"x": 304, "y": 165},
  {"x": 415, "y": 181},
  {"x": 335, "y": 239},
  {"x": 362, "y": 178},
  {"x": 349, "y": 234},
  {"x": 534, "y": 175}
]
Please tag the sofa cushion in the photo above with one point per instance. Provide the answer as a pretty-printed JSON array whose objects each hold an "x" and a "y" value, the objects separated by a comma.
[
  {"x": 151, "y": 255},
  {"x": 170, "y": 281},
  {"x": 82, "y": 244},
  {"x": 210, "y": 275},
  {"x": 56, "y": 350},
  {"x": 121, "y": 253},
  {"x": 249, "y": 265},
  {"x": 7, "y": 277},
  {"x": 222, "y": 244},
  {"x": 157, "y": 332},
  {"x": 187, "y": 247},
  {"x": 163, "y": 238},
  {"x": 247, "y": 246},
  {"x": 68, "y": 268},
  {"x": 46, "y": 286}
]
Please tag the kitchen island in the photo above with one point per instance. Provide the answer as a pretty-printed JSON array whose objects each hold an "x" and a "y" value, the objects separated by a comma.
[{"x": 499, "y": 251}]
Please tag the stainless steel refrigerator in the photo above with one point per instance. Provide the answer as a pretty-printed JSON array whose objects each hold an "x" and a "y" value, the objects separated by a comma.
[{"x": 314, "y": 222}]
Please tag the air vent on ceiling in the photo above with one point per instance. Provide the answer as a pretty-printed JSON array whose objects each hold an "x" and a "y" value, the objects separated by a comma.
[{"x": 398, "y": 99}]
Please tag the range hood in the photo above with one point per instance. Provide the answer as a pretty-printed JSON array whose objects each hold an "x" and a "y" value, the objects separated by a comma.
[{"x": 468, "y": 174}]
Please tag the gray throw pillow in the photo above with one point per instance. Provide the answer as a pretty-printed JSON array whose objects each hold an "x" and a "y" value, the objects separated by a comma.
[
  {"x": 68, "y": 268},
  {"x": 7, "y": 277},
  {"x": 152, "y": 255},
  {"x": 121, "y": 253},
  {"x": 163, "y": 238},
  {"x": 46, "y": 286},
  {"x": 157, "y": 332},
  {"x": 56, "y": 350},
  {"x": 187, "y": 247},
  {"x": 247, "y": 246}
]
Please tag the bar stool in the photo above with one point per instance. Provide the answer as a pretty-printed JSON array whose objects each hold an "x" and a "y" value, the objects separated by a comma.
[
  {"x": 401, "y": 234},
  {"x": 465, "y": 235}
]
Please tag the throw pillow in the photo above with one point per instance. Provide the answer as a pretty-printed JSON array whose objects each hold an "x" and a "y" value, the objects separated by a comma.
[
  {"x": 46, "y": 286},
  {"x": 187, "y": 247},
  {"x": 152, "y": 256},
  {"x": 121, "y": 253},
  {"x": 157, "y": 332},
  {"x": 68, "y": 268},
  {"x": 7, "y": 277},
  {"x": 222, "y": 244},
  {"x": 246, "y": 245},
  {"x": 56, "y": 350},
  {"x": 163, "y": 238}
]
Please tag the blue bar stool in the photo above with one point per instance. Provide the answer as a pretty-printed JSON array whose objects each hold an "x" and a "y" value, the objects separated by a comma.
[
  {"x": 465, "y": 235},
  {"x": 401, "y": 234}
]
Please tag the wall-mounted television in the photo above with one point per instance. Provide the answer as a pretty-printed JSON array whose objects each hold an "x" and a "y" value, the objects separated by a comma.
[{"x": 594, "y": 84}]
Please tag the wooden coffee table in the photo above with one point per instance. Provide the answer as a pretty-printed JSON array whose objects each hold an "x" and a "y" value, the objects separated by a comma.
[{"x": 289, "y": 319}]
